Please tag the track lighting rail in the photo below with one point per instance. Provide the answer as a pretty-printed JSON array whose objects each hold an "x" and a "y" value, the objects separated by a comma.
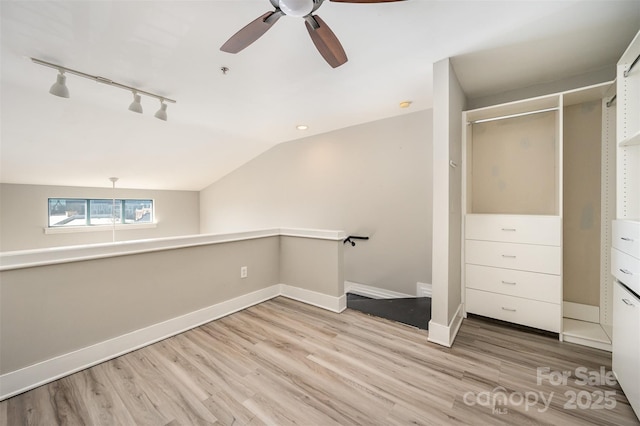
[
  {"x": 102, "y": 80},
  {"x": 350, "y": 239}
]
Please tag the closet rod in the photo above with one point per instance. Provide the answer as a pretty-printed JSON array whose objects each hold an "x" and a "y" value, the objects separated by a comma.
[
  {"x": 484, "y": 120},
  {"x": 612, "y": 100},
  {"x": 633, "y": 64}
]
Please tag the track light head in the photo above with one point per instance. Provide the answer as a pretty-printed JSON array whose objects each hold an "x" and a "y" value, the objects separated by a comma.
[
  {"x": 136, "y": 106},
  {"x": 162, "y": 112},
  {"x": 59, "y": 88}
]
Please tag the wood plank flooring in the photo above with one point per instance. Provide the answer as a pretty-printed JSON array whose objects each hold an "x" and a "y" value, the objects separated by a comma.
[{"x": 283, "y": 362}]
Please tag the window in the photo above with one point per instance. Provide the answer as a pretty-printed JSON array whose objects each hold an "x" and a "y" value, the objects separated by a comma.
[{"x": 95, "y": 212}]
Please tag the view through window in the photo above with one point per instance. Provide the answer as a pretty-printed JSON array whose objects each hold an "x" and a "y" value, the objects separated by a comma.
[{"x": 91, "y": 212}]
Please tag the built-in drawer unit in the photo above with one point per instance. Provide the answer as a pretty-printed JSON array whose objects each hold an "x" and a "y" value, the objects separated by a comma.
[
  {"x": 530, "y": 285},
  {"x": 532, "y": 313},
  {"x": 625, "y": 254},
  {"x": 513, "y": 268},
  {"x": 526, "y": 257},
  {"x": 544, "y": 230},
  {"x": 625, "y": 236},
  {"x": 626, "y": 269}
]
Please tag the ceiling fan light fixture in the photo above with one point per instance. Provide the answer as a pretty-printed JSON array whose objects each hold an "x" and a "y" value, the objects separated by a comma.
[
  {"x": 59, "y": 88},
  {"x": 297, "y": 8},
  {"x": 136, "y": 106}
]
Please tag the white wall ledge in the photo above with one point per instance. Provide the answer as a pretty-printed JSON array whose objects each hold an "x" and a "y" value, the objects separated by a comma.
[
  {"x": 49, "y": 256},
  {"x": 97, "y": 228}
]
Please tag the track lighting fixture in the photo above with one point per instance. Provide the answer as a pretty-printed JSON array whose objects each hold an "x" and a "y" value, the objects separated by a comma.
[
  {"x": 162, "y": 112},
  {"x": 60, "y": 88},
  {"x": 136, "y": 106}
]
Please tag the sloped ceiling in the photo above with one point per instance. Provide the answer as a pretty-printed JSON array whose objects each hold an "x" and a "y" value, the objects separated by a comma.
[{"x": 222, "y": 121}]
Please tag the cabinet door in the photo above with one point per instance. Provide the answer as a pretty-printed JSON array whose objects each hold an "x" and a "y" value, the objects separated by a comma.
[{"x": 626, "y": 343}]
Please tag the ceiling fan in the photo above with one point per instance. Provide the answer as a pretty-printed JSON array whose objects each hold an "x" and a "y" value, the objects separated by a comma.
[{"x": 324, "y": 39}]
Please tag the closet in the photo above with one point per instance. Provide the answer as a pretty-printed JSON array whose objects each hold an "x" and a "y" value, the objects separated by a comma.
[{"x": 538, "y": 189}]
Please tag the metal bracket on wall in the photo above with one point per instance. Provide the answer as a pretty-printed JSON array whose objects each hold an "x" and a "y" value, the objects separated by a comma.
[{"x": 350, "y": 239}]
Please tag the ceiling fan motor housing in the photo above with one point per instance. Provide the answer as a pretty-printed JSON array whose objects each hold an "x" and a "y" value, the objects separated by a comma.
[{"x": 297, "y": 8}]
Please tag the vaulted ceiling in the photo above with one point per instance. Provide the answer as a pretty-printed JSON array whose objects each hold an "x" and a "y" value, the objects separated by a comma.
[{"x": 222, "y": 121}]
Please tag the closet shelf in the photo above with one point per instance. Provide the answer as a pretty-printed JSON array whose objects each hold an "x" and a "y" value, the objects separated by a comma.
[{"x": 633, "y": 140}]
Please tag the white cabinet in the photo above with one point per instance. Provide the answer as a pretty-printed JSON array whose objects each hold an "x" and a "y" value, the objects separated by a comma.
[
  {"x": 626, "y": 343},
  {"x": 513, "y": 266},
  {"x": 625, "y": 252}
]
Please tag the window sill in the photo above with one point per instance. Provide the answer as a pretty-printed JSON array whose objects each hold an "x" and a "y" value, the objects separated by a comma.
[{"x": 97, "y": 228}]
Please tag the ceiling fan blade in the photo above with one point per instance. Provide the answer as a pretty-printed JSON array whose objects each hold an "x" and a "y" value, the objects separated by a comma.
[
  {"x": 326, "y": 41},
  {"x": 251, "y": 32},
  {"x": 364, "y": 1}
]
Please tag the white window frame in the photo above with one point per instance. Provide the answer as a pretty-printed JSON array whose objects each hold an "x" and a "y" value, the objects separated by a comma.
[{"x": 120, "y": 226}]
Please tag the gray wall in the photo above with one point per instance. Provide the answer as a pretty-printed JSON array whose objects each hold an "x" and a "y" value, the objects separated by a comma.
[
  {"x": 449, "y": 103},
  {"x": 23, "y": 215},
  {"x": 74, "y": 305},
  {"x": 52, "y": 310},
  {"x": 373, "y": 179},
  {"x": 312, "y": 264}
]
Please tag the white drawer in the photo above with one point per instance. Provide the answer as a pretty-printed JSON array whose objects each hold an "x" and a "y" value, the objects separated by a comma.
[
  {"x": 532, "y": 313},
  {"x": 626, "y": 269},
  {"x": 524, "y": 257},
  {"x": 530, "y": 285},
  {"x": 545, "y": 230},
  {"x": 625, "y": 236}
]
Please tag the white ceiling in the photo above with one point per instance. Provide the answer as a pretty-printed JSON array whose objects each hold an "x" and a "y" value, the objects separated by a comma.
[{"x": 222, "y": 121}]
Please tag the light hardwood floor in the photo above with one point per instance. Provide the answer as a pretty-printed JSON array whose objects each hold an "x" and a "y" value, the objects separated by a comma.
[{"x": 283, "y": 362}]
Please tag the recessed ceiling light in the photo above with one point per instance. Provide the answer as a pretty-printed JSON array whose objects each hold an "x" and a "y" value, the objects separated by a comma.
[
  {"x": 302, "y": 127},
  {"x": 405, "y": 104}
]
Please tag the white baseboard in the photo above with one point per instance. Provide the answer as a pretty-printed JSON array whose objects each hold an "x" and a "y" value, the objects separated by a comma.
[
  {"x": 423, "y": 289},
  {"x": 373, "y": 292},
  {"x": 330, "y": 303},
  {"x": 579, "y": 311},
  {"x": 445, "y": 334},
  {"x": 16, "y": 382}
]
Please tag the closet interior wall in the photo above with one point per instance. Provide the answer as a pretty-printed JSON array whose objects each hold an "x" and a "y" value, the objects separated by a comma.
[{"x": 588, "y": 197}]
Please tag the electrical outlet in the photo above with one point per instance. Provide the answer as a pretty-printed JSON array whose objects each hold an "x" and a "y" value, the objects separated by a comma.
[{"x": 243, "y": 272}]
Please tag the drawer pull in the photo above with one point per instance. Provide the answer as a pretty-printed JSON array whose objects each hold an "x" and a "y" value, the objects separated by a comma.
[
  {"x": 509, "y": 256},
  {"x": 508, "y": 282},
  {"x": 626, "y": 301},
  {"x": 626, "y": 239},
  {"x": 508, "y": 309},
  {"x": 624, "y": 271},
  {"x": 509, "y": 229}
]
